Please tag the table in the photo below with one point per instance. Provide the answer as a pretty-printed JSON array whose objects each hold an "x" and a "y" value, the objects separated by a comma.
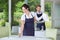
[{"x": 15, "y": 37}]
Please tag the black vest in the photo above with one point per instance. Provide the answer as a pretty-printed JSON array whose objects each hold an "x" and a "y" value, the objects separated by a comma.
[{"x": 39, "y": 15}]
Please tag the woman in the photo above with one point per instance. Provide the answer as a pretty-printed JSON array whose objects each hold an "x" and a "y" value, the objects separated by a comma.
[{"x": 27, "y": 22}]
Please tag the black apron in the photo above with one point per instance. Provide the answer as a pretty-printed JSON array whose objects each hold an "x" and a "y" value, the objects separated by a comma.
[{"x": 28, "y": 27}]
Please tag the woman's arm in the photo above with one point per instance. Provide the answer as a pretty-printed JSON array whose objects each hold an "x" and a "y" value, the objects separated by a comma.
[{"x": 22, "y": 27}]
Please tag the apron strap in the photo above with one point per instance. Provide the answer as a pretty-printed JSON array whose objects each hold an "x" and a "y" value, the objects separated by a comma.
[
  {"x": 25, "y": 16},
  {"x": 31, "y": 15}
]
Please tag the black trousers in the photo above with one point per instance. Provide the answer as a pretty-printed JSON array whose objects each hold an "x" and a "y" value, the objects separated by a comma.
[{"x": 41, "y": 26}]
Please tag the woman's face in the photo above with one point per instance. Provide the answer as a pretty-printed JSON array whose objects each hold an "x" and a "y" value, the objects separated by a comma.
[
  {"x": 38, "y": 8},
  {"x": 24, "y": 10}
]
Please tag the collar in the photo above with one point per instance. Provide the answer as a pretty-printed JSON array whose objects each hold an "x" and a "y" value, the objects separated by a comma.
[{"x": 39, "y": 12}]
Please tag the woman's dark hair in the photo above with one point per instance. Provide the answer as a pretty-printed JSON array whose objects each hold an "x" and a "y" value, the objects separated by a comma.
[
  {"x": 26, "y": 6},
  {"x": 38, "y": 6}
]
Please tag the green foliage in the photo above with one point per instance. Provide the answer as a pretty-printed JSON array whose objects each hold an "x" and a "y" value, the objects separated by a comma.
[
  {"x": 48, "y": 8},
  {"x": 18, "y": 6},
  {"x": 2, "y": 22},
  {"x": 33, "y": 3},
  {"x": 2, "y": 2},
  {"x": 1, "y": 15},
  {"x": 17, "y": 15},
  {"x": 15, "y": 23},
  {"x": 48, "y": 24},
  {"x": 4, "y": 14}
]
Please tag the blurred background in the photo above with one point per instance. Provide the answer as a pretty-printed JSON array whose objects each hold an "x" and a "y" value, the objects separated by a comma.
[
  {"x": 17, "y": 11},
  {"x": 3, "y": 12},
  {"x": 10, "y": 18}
]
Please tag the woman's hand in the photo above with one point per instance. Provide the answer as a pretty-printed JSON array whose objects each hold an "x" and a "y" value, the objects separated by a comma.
[
  {"x": 20, "y": 34},
  {"x": 21, "y": 28}
]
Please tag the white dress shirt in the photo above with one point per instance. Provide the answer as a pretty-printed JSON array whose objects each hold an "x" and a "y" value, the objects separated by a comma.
[
  {"x": 44, "y": 16},
  {"x": 31, "y": 15}
]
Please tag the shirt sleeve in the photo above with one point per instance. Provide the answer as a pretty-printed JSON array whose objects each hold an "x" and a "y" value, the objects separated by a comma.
[
  {"x": 23, "y": 17},
  {"x": 45, "y": 17}
]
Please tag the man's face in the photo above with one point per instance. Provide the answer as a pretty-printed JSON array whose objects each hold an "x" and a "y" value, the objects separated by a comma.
[{"x": 38, "y": 8}]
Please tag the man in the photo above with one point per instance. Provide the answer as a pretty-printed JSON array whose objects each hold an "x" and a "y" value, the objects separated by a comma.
[{"x": 41, "y": 18}]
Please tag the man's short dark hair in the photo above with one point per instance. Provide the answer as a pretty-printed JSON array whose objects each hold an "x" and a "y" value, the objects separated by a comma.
[{"x": 38, "y": 6}]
